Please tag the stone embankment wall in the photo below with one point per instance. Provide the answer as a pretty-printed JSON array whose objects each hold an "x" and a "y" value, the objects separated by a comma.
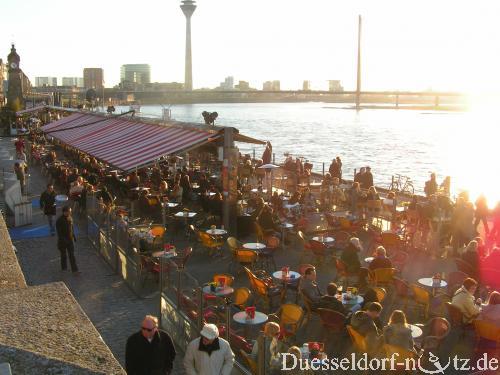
[{"x": 43, "y": 329}]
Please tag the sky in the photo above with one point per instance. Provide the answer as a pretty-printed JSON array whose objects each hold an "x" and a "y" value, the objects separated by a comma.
[{"x": 407, "y": 45}]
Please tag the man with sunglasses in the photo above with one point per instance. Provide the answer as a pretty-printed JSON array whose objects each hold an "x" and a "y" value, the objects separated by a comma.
[{"x": 149, "y": 351}]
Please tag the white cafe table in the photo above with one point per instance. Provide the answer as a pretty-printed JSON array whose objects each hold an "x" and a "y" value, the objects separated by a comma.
[
  {"x": 416, "y": 331},
  {"x": 354, "y": 300},
  {"x": 241, "y": 317},
  {"x": 171, "y": 204},
  {"x": 164, "y": 254},
  {"x": 185, "y": 214},
  {"x": 140, "y": 188},
  {"x": 369, "y": 259},
  {"x": 428, "y": 282},
  {"x": 292, "y": 276},
  {"x": 219, "y": 292},
  {"x": 254, "y": 246},
  {"x": 324, "y": 239},
  {"x": 216, "y": 232}
]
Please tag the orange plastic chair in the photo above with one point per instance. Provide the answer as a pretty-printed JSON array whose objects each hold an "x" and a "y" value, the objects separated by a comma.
[
  {"x": 211, "y": 243},
  {"x": 422, "y": 297},
  {"x": 228, "y": 279},
  {"x": 252, "y": 364},
  {"x": 391, "y": 241},
  {"x": 404, "y": 355},
  {"x": 402, "y": 290},
  {"x": 382, "y": 276},
  {"x": 357, "y": 339},
  {"x": 290, "y": 317},
  {"x": 381, "y": 293},
  {"x": 245, "y": 257},
  {"x": 487, "y": 331},
  {"x": 241, "y": 297}
]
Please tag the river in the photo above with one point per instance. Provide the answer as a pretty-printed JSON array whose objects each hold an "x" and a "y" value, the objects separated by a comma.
[{"x": 414, "y": 143}]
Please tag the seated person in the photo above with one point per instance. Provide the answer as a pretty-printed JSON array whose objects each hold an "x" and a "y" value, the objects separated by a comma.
[
  {"x": 330, "y": 301},
  {"x": 350, "y": 256},
  {"x": 471, "y": 256},
  {"x": 143, "y": 208},
  {"x": 266, "y": 221},
  {"x": 369, "y": 297},
  {"x": 397, "y": 332},
  {"x": 105, "y": 195},
  {"x": 372, "y": 194},
  {"x": 381, "y": 260},
  {"x": 491, "y": 311},
  {"x": 309, "y": 288},
  {"x": 272, "y": 348},
  {"x": 295, "y": 198},
  {"x": 367, "y": 324},
  {"x": 464, "y": 299}
]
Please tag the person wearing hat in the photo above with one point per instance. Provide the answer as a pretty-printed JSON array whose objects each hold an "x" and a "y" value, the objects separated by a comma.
[
  {"x": 149, "y": 351},
  {"x": 209, "y": 354}
]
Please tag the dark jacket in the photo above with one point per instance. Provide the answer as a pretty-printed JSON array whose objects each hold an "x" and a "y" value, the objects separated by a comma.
[
  {"x": 398, "y": 335},
  {"x": 350, "y": 258},
  {"x": 332, "y": 303},
  {"x": 366, "y": 327},
  {"x": 64, "y": 228},
  {"x": 380, "y": 262},
  {"x": 48, "y": 203},
  {"x": 149, "y": 358}
]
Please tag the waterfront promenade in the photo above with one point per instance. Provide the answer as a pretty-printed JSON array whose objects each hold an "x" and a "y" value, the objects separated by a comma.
[{"x": 111, "y": 306}]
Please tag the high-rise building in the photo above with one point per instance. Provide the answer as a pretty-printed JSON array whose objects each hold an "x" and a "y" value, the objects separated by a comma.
[
  {"x": 188, "y": 7},
  {"x": 306, "y": 86},
  {"x": 72, "y": 81},
  {"x": 135, "y": 73},
  {"x": 228, "y": 83},
  {"x": 242, "y": 86},
  {"x": 334, "y": 85},
  {"x": 271, "y": 86},
  {"x": 93, "y": 78},
  {"x": 45, "y": 81}
]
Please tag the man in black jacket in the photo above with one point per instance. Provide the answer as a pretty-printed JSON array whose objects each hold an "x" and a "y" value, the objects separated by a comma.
[
  {"x": 65, "y": 239},
  {"x": 48, "y": 205},
  {"x": 149, "y": 351}
]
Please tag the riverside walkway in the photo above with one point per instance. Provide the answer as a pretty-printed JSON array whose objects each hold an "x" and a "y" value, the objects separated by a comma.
[{"x": 111, "y": 306}]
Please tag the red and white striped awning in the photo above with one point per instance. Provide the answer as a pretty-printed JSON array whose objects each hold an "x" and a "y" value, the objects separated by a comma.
[{"x": 124, "y": 143}]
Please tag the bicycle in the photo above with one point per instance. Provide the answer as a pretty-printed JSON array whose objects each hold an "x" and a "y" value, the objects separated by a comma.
[{"x": 402, "y": 184}]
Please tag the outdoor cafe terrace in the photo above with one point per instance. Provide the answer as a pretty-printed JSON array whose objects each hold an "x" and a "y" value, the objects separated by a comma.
[{"x": 206, "y": 270}]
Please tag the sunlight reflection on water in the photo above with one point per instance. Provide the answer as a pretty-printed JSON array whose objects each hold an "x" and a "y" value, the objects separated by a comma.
[{"x": 408, "y": 142}]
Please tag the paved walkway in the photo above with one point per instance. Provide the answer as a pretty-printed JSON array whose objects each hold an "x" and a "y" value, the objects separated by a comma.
[{"x": 112, "y": 307}]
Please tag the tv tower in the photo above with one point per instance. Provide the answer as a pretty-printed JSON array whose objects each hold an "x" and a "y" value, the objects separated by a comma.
[{"x": 188, "y": 7}]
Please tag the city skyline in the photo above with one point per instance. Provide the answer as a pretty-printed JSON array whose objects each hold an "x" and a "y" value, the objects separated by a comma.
[{"x": 411, "y": 46}]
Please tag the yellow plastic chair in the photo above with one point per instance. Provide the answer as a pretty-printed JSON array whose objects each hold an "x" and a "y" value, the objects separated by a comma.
[
  {"x": 486, "y": 330},
  {"x": 290, "y": 317},
  {"x": 381, "y": 293},
  {"x": 246, "y": 258},
  {"x": 252, "y": 364},
  {"x": 382, "y": 276},
  {"x": 158, "y": 230},
  {"x": 241, "y": 297},
  {"x": 228, "y": 279},
  {"x": 422, "y": 297},
  {"x": 233, "y": 243},
  {"x": 403, "y": 355},
  {"x": 357, "y": 339},
  {"x": 211, "y": 243}
]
